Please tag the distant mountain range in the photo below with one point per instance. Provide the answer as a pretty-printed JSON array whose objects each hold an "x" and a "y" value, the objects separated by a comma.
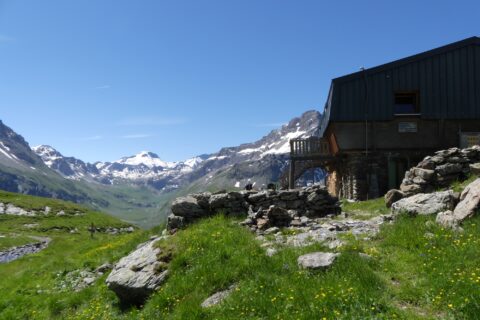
[{"x": 44, "y": 171}]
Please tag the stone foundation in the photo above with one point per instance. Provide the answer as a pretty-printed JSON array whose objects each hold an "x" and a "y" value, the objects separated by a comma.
[{"x": 359, "y": 177}]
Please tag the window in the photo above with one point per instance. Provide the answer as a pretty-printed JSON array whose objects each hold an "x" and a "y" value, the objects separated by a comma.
[{"x": 407, "y": 102}]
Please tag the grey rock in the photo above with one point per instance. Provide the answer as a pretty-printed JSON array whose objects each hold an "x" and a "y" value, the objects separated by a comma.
[
  {"x": 410, "y": 189},
  {"x": 334, "y": 244},
  {"x": 317, "y": 260},
  {"x": 272, "y": 230},
  {"x": 262, "y": 224},
  {"x": 425, "y": 203},
  {"x": 104, "y": 267},
  {"x": 425, "y": 174},
  {"x": 419, "y": 181},
  {"x": 393, "y": 196},
  {"x": 469, "y": 202},
  {"x": 188, "y": 208},
  {"x": 136, "y": 276},
  {"x": 203, "y": 199},
  {"x": 475, "y": 168},
  {"x": 11, "y": 209},
  {"x": 278, "y": 216},
  {"x": 271, "y": 252},
  {"x": 175, "y": 222},
  {"x": 217, "y": 297},
  {"x": 446, "y": 219},
  {"x": 448, "y": 168}
]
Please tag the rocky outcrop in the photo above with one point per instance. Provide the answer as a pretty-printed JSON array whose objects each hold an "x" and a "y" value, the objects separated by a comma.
[
  {"x": 265, "y": 208},
  {"x": 317, "y": 260},
  {"x": 426, "y": 203},
  {"x": 441, "y": 170},
  {"x": 137, "y": 275}
]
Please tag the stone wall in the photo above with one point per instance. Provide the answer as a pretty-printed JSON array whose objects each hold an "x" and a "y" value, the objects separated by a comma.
[
  {"x": 440, "y": 170},
  {"x": 277, "y": 208}
]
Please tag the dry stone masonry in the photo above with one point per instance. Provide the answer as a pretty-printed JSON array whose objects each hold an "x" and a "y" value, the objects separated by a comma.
[
  {"x": 417, "y": 196},
  {"x": 440, "y": 170},
  {"x": 267, "y": 208}
]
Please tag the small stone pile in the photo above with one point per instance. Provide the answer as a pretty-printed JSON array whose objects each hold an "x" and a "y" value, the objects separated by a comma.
[
  {"x": 78, "y": 280},
  {"x": 265, "y": 208},
  {"x": 437, "y": 171}
]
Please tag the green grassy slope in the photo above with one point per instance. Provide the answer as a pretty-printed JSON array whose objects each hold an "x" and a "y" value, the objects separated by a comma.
[
  {"x": 29, "y": 286},
  {"x": 416, "y": 270}
]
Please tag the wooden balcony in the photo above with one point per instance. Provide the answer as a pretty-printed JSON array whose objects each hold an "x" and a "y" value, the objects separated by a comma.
[{"x": 309, "y": 148}]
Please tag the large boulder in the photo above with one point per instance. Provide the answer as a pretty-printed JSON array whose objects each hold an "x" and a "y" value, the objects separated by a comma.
[
  {"x": 137, "y": 275},
  {"x": 188, "y": 207},
  {"x": 469, "y": 202},
  {"x": 426, "y": 203},
  {"x": 317, "y": 260}
]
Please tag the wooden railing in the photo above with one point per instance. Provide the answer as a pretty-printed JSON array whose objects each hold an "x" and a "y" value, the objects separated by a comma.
[{"x": 308, "y": 147}]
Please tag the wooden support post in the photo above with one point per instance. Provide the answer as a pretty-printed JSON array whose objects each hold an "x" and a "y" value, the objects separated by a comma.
[{"x": 291, "y": 176}]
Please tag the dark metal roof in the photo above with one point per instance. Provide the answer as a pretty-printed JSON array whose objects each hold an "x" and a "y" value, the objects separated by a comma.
[
  {"x": 447, "y": 79},
  {"x": 423, "y": 55}
]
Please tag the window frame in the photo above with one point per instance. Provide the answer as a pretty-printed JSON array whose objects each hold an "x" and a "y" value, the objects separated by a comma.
[{"x": 417, "y": 106}]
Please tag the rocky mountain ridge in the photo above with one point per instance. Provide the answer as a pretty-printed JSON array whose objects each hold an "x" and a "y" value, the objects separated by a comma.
[{"x": 258, "y": 162}]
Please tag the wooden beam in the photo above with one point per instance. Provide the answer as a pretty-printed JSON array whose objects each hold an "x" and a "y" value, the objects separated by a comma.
[{"x": 291, "y": 176}]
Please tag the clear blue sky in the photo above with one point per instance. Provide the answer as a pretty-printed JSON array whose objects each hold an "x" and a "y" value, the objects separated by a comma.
[{"x": 102, "y": 79}]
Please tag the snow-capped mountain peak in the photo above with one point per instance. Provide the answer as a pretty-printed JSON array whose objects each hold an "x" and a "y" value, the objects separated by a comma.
[
  {"x": 193, "y": 162},
  {"x": 148, "y": 159},
  {"x": 47, "y": 152}
]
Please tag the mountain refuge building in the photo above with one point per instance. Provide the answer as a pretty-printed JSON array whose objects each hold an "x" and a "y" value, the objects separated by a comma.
[{"x": 380, "y": 121}]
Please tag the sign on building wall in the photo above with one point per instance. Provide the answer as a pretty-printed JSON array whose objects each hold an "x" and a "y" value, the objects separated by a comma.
[
  {"x": 469, "y": 139},
  {"x": 404, "y": 127}
]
